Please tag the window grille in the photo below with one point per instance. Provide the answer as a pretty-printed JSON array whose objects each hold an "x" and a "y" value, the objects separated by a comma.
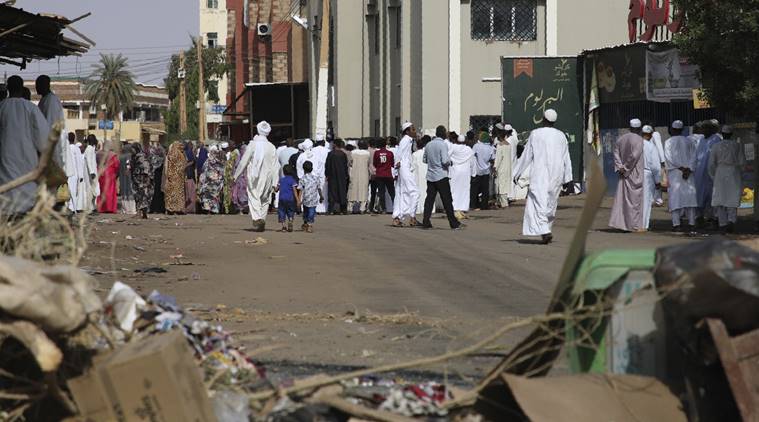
[
  {"x": 504, "y": 20},
  {"x": 212, "y": 4},
  {"x": 478, "y": 122}
]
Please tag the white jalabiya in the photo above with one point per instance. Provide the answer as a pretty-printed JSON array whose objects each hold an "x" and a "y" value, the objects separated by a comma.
[
  {"x": 547, "y": 156},
  {"x": 23, "y": 137},
  {"x": 651, "y": 177},
  {"x": 79, "y": 201},
  {"x": 319, "y": 162},
  {"x": 726, "y": 161},
  {"x": 406, "y": 189},
  {"x": 420, "y": 172},
  {"x": 505, "y": 160},
  {"x": 307, "y": 155},
  {"x": 74, "y": 169},
  {"x": 680, "y": 152},
  {"x": 51, "y": 107},
  {"x": 91, "y": 165},
  {"x": 463, "y": 168},
  {"x": 260, "y": 162}
]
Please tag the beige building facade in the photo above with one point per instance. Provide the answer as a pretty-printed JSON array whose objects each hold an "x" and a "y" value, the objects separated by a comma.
[
  {"x": 213, "y": 29},
  {"x": 438, "y": 62}
]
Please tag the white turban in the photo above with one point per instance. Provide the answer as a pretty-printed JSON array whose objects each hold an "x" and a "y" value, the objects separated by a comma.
[
  {"x": 406, "y": 125},
  {"x": 727, "y": 129},
  {"x": 635, "y": 123},
  {"x": 508, "y": 128},
  {"x": 551, "y": 115},
  {"x": 319, "y": 137},
  {"x": 648, "y": 129},
  {"x": 500, "y": 126},
  {"x": 307, "y": 145},
  {"x": 462, "y": 139},
  {"x": 264, "y": 128},
  {"x": 677, "y": 124},
  {"x": 224, "y": 145}
]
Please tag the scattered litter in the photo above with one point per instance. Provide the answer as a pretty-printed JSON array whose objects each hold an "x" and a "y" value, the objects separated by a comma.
[
  {"x": 257, "y": 241},
  {"x": 139, "y": 248},
  {"x": 156, "y": 270},
  {"x": 195, "y": 276},
  {"x": 128, "y": 237},
  {"x": 105, "y": 221},
  {"x": 125, "y": 305}
]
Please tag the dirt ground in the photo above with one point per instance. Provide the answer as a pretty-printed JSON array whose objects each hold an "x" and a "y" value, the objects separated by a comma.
[{"x": 357, "y": 292}]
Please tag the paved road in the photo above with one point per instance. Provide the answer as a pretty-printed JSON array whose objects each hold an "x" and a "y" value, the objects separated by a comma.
[{"x": 416, "y": 292}]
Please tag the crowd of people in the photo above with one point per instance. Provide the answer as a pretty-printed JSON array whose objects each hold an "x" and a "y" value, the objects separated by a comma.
[
  {"x": 701, "y": 173},
  {"x": 406, "y": 177}
]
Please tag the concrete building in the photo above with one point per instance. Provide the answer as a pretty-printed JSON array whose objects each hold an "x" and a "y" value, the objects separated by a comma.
[
  {"x": 143, "y": 121},
  {"x": 438, "y": 61},
  {"x": 213, "y": 29}
]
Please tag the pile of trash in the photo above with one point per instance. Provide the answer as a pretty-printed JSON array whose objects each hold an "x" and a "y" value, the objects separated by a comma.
[{"x": 647, "y": 335}]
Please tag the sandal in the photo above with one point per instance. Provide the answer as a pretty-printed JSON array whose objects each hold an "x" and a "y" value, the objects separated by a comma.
[{"x": 397, "y": 222}]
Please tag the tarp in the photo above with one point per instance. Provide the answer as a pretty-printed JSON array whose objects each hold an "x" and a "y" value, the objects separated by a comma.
[{"x": 669, "y": 76}]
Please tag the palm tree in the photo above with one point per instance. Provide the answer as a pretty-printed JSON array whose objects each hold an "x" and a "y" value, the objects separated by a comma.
[{"x": 111, "y": 85}]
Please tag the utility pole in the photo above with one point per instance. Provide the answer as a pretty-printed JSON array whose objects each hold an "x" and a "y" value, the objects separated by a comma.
[
  {"x": 201, "y": 94},
  {"x": 321, "y": 93},
  {"x": 182, "y": 96}
]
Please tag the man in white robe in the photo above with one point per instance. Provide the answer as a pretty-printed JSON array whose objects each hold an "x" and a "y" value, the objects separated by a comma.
[
  {"x": 680, "y": 162},
  {"x": 262, "y": 167},
  {"x": 651, "y": 174},
  {"x": 656, "y": 138},
  {"x": 406, "y": 190},
  {"x": 320, "y": 161},
  {"x": 73, "y": 171},
  {"x": 307, "y": 155},
  {"x": 463, "y": 168},
  {"x": 547, "y": 155},
  {"x": 420, "y": 172},
  {"x": 726, "y": 162},
  {"x": 50, "y": 106},
  {"x": 83, "y": 185},
  {"x": 23, "y": 138},
  {"x": 505, "y": 160},
  {"x": 91, "y": 166}
]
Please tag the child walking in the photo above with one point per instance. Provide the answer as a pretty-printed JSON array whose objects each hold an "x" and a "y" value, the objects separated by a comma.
[
  {"x": 286, "y": 206},
  {"x": 309, "y": 195}
]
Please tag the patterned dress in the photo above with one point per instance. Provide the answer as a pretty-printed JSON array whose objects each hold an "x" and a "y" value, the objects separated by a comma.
[
  {"x": 142, "y": 181},
  {"x": 212, "y": 182},
  {"x": 229, "y": 170},
  {"x": 174, "y": 177},
  {"x": 240, "y": 190}
]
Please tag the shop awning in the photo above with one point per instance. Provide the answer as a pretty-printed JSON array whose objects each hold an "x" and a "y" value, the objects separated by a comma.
[{"x": 27, "y": 36}]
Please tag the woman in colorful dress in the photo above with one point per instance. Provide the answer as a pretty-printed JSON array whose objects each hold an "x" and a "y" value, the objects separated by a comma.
[
  {"x": 157, "y": 156},
  {"x": 109, "y": 198},
  {"x": 240, "y": 190},
  {"x": 174, "y": 176},
  {"x": 229, "y": 183},
  {"x": 142, "y": 181},
  {"x": 212, "y": 181}
]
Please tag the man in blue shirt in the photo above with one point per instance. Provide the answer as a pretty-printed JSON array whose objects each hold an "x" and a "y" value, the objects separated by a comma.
[
  {"x": 438, "y": 161},
  {"x": 484, "y": 155}
]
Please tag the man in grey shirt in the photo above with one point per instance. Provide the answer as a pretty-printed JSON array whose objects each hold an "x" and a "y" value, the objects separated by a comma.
[
  {"x": 438, "y": 161},
  {"x": 484, "y": 154}
]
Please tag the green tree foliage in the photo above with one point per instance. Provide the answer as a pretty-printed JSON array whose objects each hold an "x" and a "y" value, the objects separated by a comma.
[
  {"x": 111, "y": 84},
  {"x": 214, "y": 67},
  {"x": 722, "y": 37}
]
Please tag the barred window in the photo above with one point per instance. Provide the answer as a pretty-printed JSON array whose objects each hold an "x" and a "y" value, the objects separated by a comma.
[
  {"x": 504, "y": 20},
  {"x": 477, "y": 123},
  {"x": 212, "y": 4}
]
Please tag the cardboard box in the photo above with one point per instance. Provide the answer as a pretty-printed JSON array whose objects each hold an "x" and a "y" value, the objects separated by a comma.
[{"x": 155, "y": 379}]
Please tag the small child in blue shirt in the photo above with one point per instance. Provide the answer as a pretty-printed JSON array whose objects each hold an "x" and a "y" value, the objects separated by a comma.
[{"x": 286, "y": 189}]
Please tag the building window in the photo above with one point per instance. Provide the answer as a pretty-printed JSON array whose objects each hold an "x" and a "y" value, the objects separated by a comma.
[
  {"x": 212, "y": 4},
  {"x": 477, "y": 123},
  {"x": 213, "y": 39},
  {"x": 504, "y": 20}
]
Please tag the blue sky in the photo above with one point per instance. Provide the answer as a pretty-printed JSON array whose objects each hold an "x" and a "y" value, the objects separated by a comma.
[{"x": 146, "y": 31}]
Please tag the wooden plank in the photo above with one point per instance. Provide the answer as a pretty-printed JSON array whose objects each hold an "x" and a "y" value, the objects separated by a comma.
[{"x": 731, "y": 365}]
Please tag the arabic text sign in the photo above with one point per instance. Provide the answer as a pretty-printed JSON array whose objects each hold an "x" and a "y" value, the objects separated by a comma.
[{"x": 552, "y": 83}]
